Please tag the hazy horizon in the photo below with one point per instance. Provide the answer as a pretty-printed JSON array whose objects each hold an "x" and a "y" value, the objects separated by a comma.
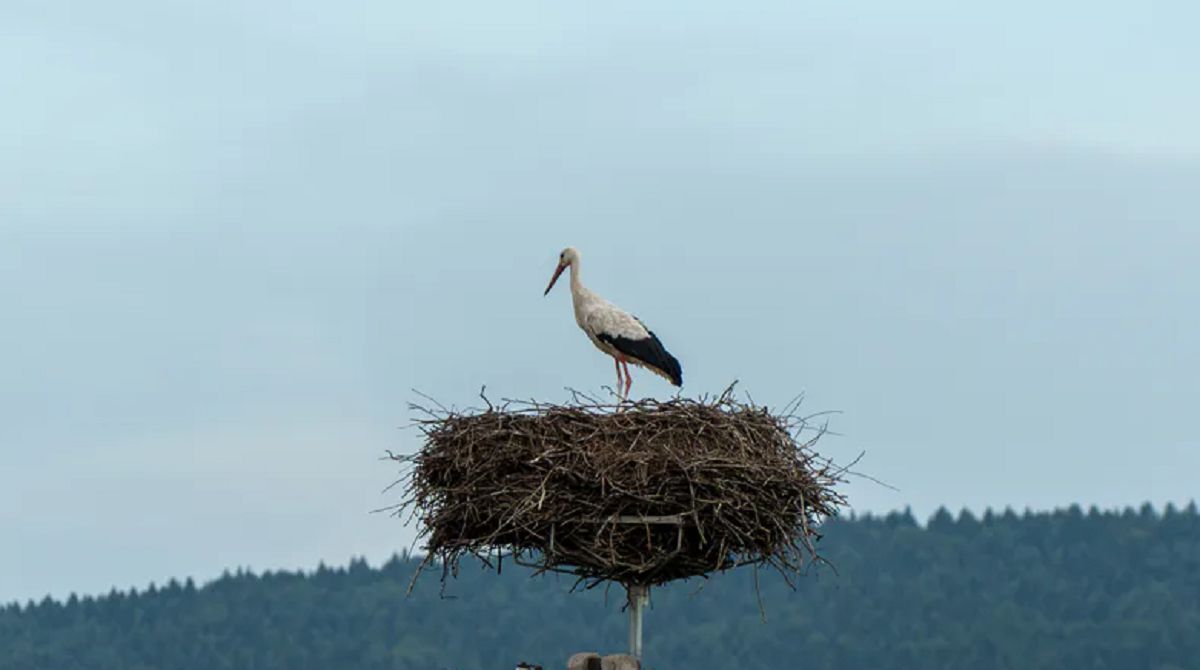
[{"x": 377, "y": 562}]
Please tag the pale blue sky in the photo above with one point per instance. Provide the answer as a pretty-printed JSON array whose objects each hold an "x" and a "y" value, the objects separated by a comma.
[{"x": 233, "y": 237}]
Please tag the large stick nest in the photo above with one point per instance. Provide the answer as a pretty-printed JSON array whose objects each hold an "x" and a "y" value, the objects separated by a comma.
[{"x": 637, "y": 493}]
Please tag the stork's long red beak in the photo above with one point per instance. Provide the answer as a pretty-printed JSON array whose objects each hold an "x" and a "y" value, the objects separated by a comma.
[{"x": 558, "y": 271}]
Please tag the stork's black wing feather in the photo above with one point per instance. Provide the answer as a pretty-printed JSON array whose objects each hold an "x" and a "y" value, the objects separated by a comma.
[{"x": 649, "y": 351}]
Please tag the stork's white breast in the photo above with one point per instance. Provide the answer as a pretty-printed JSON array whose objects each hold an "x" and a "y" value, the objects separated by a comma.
[
  {"x": 610, "y": 320},
  {"x": 597, "y": 316}
]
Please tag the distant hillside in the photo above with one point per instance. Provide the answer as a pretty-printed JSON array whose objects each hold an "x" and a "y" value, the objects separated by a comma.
[{"x": 1068, "y": 589}]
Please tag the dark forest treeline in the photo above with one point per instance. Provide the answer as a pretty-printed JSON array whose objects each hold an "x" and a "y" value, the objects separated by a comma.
[{"x": 1069, "y": 589}]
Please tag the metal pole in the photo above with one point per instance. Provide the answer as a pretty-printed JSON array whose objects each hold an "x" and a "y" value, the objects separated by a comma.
[{"x": 638, "y": 595}]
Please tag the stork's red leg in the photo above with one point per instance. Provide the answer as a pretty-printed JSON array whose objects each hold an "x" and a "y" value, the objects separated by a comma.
[
  {"x": 628, "y": 378},
  {"x": 617, "y": 365}
]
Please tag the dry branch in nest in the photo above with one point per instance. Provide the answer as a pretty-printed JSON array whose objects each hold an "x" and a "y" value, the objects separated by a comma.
[{"x": 637, "y": 493}]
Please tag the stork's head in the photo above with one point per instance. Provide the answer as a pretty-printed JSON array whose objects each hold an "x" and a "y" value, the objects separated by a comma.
[{"x": 566, "y": 258}]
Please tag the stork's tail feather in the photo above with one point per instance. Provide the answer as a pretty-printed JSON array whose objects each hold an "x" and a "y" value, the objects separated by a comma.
[
  {"x": 676, "y": 376},
  {"x": 670, "y": 369}
]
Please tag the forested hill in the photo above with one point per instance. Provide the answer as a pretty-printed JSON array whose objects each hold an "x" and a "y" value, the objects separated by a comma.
[{"x": 1069, "y": 589}]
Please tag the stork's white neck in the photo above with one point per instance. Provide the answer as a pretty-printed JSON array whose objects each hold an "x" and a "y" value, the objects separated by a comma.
[
  {"x": 581, "y": 297},
  {"x": 576, "y": 283}
]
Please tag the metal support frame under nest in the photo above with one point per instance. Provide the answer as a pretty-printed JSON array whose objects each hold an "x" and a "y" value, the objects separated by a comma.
[{"x": 638, "y": 596}]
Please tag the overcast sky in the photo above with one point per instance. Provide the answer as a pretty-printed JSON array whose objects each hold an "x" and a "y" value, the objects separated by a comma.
[{"x": 233, "y": 236}]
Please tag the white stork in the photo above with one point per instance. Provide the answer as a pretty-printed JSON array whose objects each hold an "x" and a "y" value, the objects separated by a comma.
[{"x": 615, "y": 331}]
